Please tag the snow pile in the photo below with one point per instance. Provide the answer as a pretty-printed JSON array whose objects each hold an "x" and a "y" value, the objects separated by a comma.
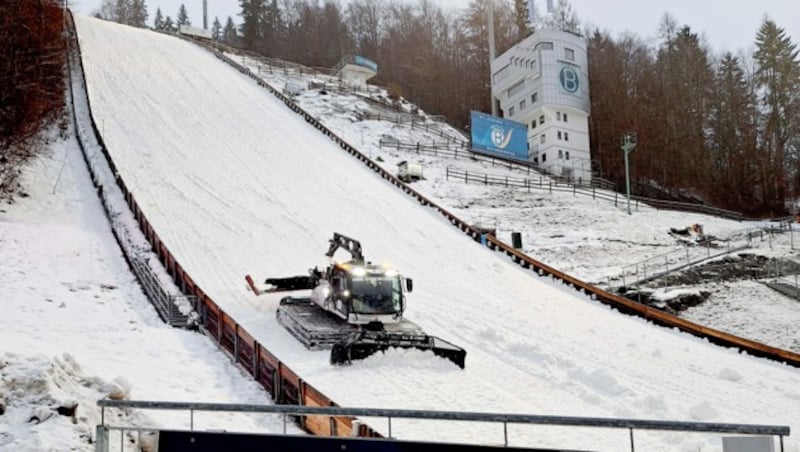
[{"x": 47, "y": 403}]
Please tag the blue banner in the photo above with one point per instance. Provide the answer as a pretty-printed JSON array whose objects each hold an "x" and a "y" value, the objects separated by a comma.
[
  {"x": 366, "y": 62},
  {"x": 498, "y": 136}
]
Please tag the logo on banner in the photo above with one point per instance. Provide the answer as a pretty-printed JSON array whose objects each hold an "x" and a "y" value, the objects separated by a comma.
[
  {"x": 570, "y": 80},
  {"x": 500, "y": 137}
]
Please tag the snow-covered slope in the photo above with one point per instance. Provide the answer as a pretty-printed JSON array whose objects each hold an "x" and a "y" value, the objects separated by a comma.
[
  {"x": 236, "y": 183},
  {"x": 76, "y": 326},
  {"x": 591, "y": 239}
]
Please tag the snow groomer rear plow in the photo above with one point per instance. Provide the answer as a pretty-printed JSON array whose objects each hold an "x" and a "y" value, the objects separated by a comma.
[{"x": 355, "y": 309}]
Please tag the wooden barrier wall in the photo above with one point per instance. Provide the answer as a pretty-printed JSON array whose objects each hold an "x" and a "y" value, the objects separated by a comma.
[{"x": 283, "y": 385}]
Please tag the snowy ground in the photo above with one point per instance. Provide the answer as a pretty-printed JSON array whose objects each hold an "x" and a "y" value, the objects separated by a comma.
[
  {"x": 76, "y": 326},
  {"x": 236, "y": 183},
  {"x": 594, "y": 240}
]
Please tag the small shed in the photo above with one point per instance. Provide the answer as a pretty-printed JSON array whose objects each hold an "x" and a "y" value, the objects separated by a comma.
[{"x": 355, "y": 70}]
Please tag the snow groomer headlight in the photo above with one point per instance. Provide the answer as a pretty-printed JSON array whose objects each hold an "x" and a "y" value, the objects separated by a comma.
[{"x": 358, "y": 271}]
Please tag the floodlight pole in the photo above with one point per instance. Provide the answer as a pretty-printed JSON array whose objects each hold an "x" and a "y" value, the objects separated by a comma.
[{"x": 628, "y": 145}]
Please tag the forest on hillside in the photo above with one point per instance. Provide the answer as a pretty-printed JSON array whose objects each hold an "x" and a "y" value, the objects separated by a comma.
[
  {"x": 32, "y": 62},
  {"x": 722, "y": 128}
]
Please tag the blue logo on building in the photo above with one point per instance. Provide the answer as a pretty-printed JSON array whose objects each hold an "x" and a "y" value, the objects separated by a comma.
[
  {"x": 569, "y": 78},
  {"x": 498, "y": 136}
]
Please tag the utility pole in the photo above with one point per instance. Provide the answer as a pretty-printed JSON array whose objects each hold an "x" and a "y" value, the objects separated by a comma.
[
  {"x": 628, "y": 145},
  {"x": 490, "y": 29}
]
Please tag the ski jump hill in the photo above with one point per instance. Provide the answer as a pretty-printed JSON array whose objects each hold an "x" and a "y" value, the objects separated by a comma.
[{"x": 225, "y": 178}]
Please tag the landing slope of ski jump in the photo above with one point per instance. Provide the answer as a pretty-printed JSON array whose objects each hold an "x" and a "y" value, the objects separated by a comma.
[{"x": 236, "y": 183}]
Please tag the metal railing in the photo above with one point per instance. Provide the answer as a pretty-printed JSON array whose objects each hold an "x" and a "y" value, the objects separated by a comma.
[
  {"x": 545, "y": 183},
  {"x": 172, "y": 308},
  {"x": 431, "y": 147},
  {"x": 454, "y": 151},
  {"x": 494, "y": 418},
  {"x": 655, "y": 267},
  {"x": 584, "y": 189},
  {"x": 345, "y": 88}
]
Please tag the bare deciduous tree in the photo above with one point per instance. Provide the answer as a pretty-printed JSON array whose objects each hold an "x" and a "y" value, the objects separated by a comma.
[{"x": 32, "y": 71}]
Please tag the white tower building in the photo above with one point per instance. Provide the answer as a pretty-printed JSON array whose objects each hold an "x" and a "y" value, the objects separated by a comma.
[{"x": 543, "y": 82}]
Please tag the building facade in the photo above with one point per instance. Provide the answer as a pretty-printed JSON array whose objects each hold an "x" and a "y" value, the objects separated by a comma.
[{"x": 543, "y": 82}]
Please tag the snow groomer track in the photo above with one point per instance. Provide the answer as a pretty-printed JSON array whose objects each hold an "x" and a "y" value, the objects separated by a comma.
[{"x": 227, "y": 178}]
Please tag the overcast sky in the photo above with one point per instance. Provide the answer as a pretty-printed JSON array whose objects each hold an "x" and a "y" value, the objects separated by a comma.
[{"x": 726, "y": 26}]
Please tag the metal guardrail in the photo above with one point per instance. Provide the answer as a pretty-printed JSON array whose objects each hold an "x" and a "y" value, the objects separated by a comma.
[
  {"x": 495, "y": 418},
  {"x": 657, "y": 271},
  {"x": 167, "y": 305},
  {"x": 660, "y": 265},
  {"x": 174, "y": 309}
]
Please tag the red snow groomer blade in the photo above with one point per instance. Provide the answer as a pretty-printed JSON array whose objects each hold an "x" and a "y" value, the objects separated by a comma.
[{"x": 364, "y": 343}]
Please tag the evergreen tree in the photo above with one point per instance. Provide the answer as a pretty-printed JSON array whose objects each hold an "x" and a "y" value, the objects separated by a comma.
[
  {"x": 521, "y": 19},
  {"x": 229, "y": 34},
  {"x": 216, "y": 30},
  {"x": 158, "y": 21},
  {"x": 183, "y": 16},
  {"x": 169, "y": 25},
  {"x": 687, "y": 81},
  {"x": 778, "y": 79},
  {"x": 137, "y": 13},
  {"x": 122, "y": 12},
  {"x": 271, "y": 30},
  {"x": 253, "y": 14},
  {"x": 733, "y": 136}
]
